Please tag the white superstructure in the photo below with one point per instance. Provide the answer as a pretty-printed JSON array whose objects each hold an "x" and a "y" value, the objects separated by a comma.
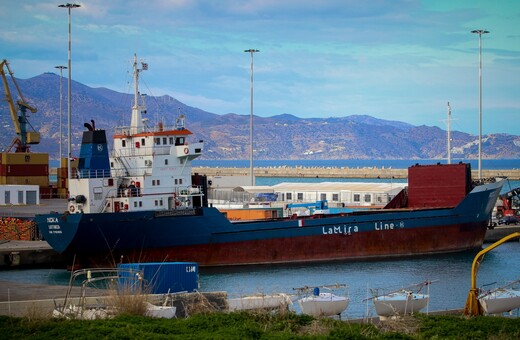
[{"x": 150, "y": 167}]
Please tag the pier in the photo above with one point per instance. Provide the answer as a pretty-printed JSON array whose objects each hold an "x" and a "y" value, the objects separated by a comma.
[{"x": 335, "y": 172}]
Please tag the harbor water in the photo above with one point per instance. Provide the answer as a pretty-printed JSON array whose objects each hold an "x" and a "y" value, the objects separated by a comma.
[{"x": 451, "y": 273}]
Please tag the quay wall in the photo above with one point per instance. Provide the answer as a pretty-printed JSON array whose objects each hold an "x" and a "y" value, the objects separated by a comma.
[{"x": 335, "y": 172}]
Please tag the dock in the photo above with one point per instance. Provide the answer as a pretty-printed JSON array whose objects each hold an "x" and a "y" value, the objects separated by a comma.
[{"x": 335, "y": 172}]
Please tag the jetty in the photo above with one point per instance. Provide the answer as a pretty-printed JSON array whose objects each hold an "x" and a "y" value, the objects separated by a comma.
[{"x": 335, "y": 172}]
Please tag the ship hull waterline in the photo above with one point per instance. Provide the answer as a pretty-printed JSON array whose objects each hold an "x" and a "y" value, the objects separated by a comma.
[{"x": 211, "y": 240}]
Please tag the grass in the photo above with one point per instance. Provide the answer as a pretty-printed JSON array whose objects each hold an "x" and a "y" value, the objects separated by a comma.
[{"x": 242, "y": 325}]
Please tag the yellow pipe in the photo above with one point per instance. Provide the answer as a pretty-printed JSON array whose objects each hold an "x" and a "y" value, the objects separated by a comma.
[{"x": 473, "y": 306}]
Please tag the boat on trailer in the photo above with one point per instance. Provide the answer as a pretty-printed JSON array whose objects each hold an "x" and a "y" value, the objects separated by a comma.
[
  {"x": 401, "y": 302},
  {"x": 278, "y": 301},
  {"x": 502, "y": 299},
  {"x": 141, "y": 203},
  {"x": 319, "y": 303}
]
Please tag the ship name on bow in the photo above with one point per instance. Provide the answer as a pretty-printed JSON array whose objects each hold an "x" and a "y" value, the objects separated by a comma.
[{"x": 53, "y": 228}]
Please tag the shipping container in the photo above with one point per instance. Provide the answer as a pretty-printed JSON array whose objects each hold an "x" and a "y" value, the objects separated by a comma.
[
  {"x": 73, "y": 163},
  {"x": 159, "y": 277},
  {"x": 24, "y": 170},
  {"x": 252, "y": 214},
  {"x": 441, "y": 185},
  {"x": 22, "y": 158},
  {"x": 42, "y": 181}
]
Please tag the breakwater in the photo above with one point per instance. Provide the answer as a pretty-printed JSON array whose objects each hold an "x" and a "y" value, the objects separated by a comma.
[{"x": 335, "y": 172}]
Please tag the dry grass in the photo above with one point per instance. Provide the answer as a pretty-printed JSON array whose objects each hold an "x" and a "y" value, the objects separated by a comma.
[
  {"x": 35, "y": 313},
  {"x": 127, "y": 300},
  {"x": 405, "y": 324},
  {"x": 315, "y": 328}
]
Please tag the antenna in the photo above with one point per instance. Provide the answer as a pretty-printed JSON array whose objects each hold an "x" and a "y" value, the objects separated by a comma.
[{"x": 449, "y": 134}]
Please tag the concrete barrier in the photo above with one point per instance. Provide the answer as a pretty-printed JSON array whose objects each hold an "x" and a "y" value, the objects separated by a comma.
[{"x": 335, "y": 172}]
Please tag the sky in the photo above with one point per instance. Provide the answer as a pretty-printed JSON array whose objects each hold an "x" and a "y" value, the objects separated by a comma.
[{"x": 400, "y": 60}]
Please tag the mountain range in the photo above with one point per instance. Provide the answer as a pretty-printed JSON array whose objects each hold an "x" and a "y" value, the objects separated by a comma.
[{"x": 227, "y": 136}]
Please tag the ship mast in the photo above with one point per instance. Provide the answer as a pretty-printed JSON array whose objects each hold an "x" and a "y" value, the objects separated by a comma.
[
  {"x": 136, "y": 124},
  {"x": 449, "y": 134}
]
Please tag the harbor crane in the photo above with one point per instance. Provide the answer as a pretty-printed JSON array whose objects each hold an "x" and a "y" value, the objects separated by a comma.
[{"x": 24, "y": 138}]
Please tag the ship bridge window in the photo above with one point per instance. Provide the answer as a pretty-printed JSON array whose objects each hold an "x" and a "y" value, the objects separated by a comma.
[{"x": 179, "y": 141}]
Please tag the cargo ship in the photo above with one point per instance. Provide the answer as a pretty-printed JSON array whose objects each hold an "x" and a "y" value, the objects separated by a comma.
[{"x": 141, "y": 203}]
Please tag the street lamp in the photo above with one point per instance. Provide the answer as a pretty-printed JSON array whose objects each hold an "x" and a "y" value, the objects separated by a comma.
[
  {"x": 61, "y": 97},
  {"x": 252, "y": 51},
  {"x": 480, "y": 32},
  {"x": 69, "y": 154}
]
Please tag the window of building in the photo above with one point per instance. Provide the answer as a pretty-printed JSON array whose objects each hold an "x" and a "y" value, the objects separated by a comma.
[
  {"x": 142, "y": 141},
  {"x": 368, "y": 198},
  {"x": 158, "y": 182},
  {"x": 323, "y": 196},
  {"x": 357, "y": 198},
  {"x": 135, "y": 204},
  {"x": 153, "y": 182},
  {"x": 180, "y": 180},
  {"x": 335, "y": 197},
  {"x": 156, "y": 203},
  {"x": 171, "y": 140},
  {"x": 158, "y": 141},
  {"x": 166, "y": 162},
  {"x": 176, "y": 181},
  {"x": 140, "y": 203},
  {"x": 164, "y": 141},
  {"x": 123, "y": 143},
  {"x": 289, "y": 196},
  {"x": 299, "y": 196},
  {"x": 161, "y": 202},
  {"x": 7, "y": 197}
]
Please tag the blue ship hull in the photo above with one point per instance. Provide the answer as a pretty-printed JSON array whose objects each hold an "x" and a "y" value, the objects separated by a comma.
[{"x": 206, "y": 236}]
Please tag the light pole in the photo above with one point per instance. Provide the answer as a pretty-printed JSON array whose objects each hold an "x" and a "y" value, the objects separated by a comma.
[
  {"x": 252, "y": 51},
  {"x": 69, "y": 154},
  {"x": 480, "y": 32},
  {"x": 61, "y": 97}
]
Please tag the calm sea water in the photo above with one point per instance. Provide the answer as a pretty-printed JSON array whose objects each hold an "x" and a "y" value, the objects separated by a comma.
[
  {"x": 449, "y": 292},
  {"x": 492, "y": 164}
]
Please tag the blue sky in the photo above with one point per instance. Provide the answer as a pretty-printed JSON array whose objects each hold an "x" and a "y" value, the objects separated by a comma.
[{"x": 397, "y": 60}]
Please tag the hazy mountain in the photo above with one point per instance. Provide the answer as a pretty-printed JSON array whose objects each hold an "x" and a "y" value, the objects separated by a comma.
[{"x": 281, "y": 136}]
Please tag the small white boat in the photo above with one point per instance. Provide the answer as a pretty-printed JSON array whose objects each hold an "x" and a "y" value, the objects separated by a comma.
[
  {"x": 400, "y": 303},
  {"x": 260, "y": 301},
  {"x": 323, "y": 303},
  {"x": 500, "y": 300},
  {"x": 403, "y": 301},
  {"x": 166, "y": 312}
]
